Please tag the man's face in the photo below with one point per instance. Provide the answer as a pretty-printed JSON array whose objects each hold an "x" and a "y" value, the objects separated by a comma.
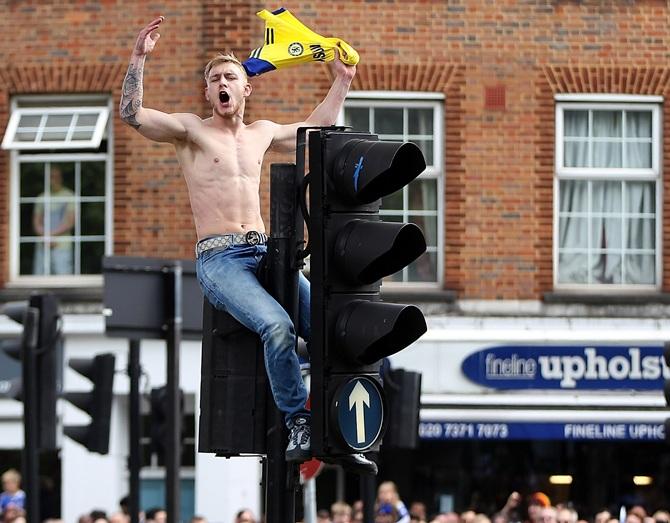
[{"x": 227, "y": 87}]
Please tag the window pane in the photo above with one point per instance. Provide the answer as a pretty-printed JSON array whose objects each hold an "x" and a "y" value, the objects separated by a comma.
[
  {"x": 606, "y": 197},
  {"x": 606, "y": 233},
  {"x": 54, "y": 136},
  {"x": 54, "y": 258},
  {"x": 58, "y": 120},
  {"x": 572, "y": 268},
  {"x": 388, "y": 121},
  {"x": 641, "y": 233},
  {"x": 426, "y": 147},
  {"x": 424, "y": 269},
  {"x": 26, "y": 258},
  {"x": 638, "y": 124},
  {"x": 606, "y": 268},
  {"x": 93, "y": 218},
  {"x": 428, "y": 225},
  {"x": 574, "y": 195},
  {"x": 393, "y": 202},
  {"x": 62, "y": 179},
  {"x": 91, "y": 257},
  {"x": 29, "y": 120},
  {"x": 607, "y": 124},
  {"x": 82, "y": 135},
  {"x": 422, "y": 195},
  {"x": 576, "y": 154},
  {"x": 638, "y": 155},
  {"x": 358, "y": 118},
  {"x": 573, "y": 233},
  {"x": 420, "y": 121},
  {"x": 93, "y": 178},
  {"x": 640, "y": 198},
  {"x": 26, "y": 136},
  {"x": 640, "y": 269},
  {"x": 576, "y": 123},
  {"x": 28, "y": 210},
  {"x": 87, "y": 120},
  {"x": 31, "y": 179},
  {"x": 607, "y": 154}
]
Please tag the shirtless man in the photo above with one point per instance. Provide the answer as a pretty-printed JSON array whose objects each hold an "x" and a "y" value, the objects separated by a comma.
[{"x": 221, "y": 159}]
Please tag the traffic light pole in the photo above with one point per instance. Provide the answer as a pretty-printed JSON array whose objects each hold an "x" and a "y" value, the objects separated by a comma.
[
  {"x": 31, "y": 414},
  {"x": 134, "y": 463},
  {"x": 173, "y": 326},
  {"x": 286, "y": 238}
]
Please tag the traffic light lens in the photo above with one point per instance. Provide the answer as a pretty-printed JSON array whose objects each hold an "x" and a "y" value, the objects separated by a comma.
[
  {"x": 368, "y": 169},
  {"x": 366, "y": 251},
  {"x": 369, "y": 331}
]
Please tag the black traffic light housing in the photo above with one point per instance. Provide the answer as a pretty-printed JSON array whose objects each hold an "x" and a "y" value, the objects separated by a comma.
[
  {"x": 158, "y": 430},
  {"x": 403, "y": 388},
  {"x": 351, "y": 250},
  {"x": 97, "y": 403},
  {"x": 47, "y": 341}
]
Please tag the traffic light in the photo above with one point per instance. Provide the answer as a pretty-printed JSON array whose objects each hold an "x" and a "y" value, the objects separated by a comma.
[
  {"x": 13, "y": 348},
  {"x": 351, "y": 251},
  {"x": 97, "y": 403},
  {"x": 159, "y": 415},
  {"x": 403, "y": 388},
  {"x": 47, "y": 339}
]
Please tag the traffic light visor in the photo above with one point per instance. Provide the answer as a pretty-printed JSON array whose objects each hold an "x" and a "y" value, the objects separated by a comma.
[
  {"x": 369, "y": 331},
  {"x": 366, "y": 170},
  {"x": 366, "y": 251}
]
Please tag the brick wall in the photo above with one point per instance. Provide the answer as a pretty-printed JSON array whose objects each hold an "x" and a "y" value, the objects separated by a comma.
[{"x": 498, "y": 158}]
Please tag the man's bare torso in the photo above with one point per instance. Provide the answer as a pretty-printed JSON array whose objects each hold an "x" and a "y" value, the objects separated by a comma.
[{"x": 222, "y": 170}]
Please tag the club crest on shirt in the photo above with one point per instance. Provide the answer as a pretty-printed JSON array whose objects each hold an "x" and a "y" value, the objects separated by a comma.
[{"x": 295, "y": 49}]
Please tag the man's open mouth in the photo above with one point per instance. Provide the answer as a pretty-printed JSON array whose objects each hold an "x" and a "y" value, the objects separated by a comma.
[{"x": 224, "y": 97}]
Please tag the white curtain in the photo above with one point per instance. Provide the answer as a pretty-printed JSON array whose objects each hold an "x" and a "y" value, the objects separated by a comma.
[{"x": 619, "y": 215}]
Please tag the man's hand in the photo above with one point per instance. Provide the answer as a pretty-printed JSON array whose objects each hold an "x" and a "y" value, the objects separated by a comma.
[
  {"x": 146, "y": 40},
  {"x": 341, "y": 69}
]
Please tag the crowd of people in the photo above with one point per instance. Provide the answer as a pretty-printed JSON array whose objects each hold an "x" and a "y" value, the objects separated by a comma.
[{"x": 388, "y": 508}]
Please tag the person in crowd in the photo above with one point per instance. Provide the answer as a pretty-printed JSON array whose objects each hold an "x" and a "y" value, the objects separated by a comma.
[
  {"x": 97, "y": 514},
  {"x": 661, "y": 516},
  {"x": 633, "y": 517},
  {"x": 387, "y": 513},
  {"x": 602, "y": 516},
  {"x": 468, "y": 516},
  {"x": 119, "y": 517},
  {"x": 198, "y": 519},
  {"x": 245, "y": 516},
  {"x": 417, "y": 511},
  {"x": 549, "y": 515},
  {"x": 387, "y": 492},
  {"x": 340, "y": 512},
  {"x": 566, "y": 515},
  {"x": 357, "y": 511},
  {"x": 481, "y": 518},
  {"x": 12, "y": 495},
  {"x": 12, "y": 513},
  {"x": 156, "y": 515},
  {"x": 323, "y": 516},
  {"x": 536, "y": 503}
]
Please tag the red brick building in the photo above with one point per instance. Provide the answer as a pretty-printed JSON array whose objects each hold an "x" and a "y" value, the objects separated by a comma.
[{"x": 544, "y": 124}]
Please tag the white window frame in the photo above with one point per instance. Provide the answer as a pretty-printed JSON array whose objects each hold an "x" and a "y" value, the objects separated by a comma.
[
  {"x": 16, "y": 158},
  {"x": 9, "y": 141},
  {"x": 414, "y": 100},
  {"x": 609, "y": 102}
]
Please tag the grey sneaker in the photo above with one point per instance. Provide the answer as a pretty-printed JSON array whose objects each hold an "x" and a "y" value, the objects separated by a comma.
[{"x": 299, "y": 438}]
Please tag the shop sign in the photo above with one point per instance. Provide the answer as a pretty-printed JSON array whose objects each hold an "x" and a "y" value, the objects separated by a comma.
[
  {"x": 568, "y": 367},
  {"x": 443, "y": 430}
]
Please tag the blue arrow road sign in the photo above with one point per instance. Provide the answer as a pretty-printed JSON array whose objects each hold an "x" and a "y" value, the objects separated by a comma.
[{"x": 360, "y": 412}]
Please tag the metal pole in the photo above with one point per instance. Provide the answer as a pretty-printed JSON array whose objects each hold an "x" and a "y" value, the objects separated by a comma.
[
  {"x": 173, "y": 321},
  {"x": 368, "y": 495},
  {"x": 282, "y": 478},
  {"x": 31, "y": 469},
  {"x": 134, "y": 458}
]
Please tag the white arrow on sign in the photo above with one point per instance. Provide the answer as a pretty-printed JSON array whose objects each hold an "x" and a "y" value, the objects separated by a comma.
[{"x": 359, "y": 396}]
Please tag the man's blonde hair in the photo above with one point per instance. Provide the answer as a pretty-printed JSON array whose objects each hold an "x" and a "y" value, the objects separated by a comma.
[{"x": 223, "y": 58}]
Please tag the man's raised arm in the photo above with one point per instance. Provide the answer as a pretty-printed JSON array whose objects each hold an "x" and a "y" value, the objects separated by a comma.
[
  {"x": 325, "y": 113},
  {"x": 155, "y": 125}
]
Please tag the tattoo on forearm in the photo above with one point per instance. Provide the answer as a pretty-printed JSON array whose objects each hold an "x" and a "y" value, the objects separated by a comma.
[{"x": 131, "y": 98}]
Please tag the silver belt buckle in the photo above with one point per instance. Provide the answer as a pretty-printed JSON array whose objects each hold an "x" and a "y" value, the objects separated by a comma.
[{"x": 252, "y": 237}]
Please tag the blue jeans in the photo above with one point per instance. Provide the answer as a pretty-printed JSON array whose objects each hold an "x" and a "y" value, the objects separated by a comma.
[{"x": 229, "y": 281}]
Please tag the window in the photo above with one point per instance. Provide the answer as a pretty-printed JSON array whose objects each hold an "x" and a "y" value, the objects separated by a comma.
[
  {"x": 61, "y": 186},
  {"x": 607, "y": 218},
  {"x": 415, "y": 117}
]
